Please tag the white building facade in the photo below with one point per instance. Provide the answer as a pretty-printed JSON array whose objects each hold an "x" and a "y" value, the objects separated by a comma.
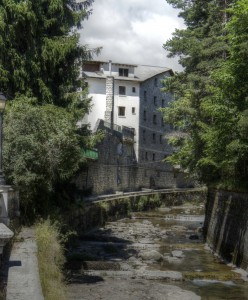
[{"x": 130, "y": 95}]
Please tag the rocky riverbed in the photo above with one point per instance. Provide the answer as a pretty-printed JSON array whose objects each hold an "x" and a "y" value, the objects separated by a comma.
[{"x": 151, "y": 255}]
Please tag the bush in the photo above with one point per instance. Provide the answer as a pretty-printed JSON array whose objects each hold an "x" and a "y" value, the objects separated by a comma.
[
  {"x": 41, "y": 149},
  {"x": 142, "y": 204}
]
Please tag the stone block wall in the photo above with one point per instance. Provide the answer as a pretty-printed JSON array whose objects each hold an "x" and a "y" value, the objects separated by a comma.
[
  {"x": 109, "y": 113},
  {"x": 96, "y": 213},
  {"x": 226, "y": 226},
  {"x": 117, "y": 170}
]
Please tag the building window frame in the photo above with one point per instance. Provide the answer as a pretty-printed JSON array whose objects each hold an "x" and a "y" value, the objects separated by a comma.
[
  {"x": 162, "y": 122},
  {"x": 134, "y": 110},
  {"x": 155, "y": 102},
  {"x": 163, "y": 103},
  {"x": 134, "y": 89},
  {"x": 154, "y": 138},
  {"x": 123, "y": 72},
  {"x": 121, "y": 111},
  {"x": 154, "y": 119},
  {"x": 122, "y": 90},
  {"x": 145, "y": 95},
  {"x": 146, "y": 156},
  {"x": 144, "y": 115},
  {"x": 144, "y": 135}
]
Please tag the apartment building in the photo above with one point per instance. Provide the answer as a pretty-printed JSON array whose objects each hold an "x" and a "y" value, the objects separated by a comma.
[{"x": 130, "y": 95}]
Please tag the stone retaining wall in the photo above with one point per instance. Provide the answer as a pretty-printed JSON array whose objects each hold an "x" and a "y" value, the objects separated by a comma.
[
  {"x": 117, "y": 170},
  {"x": 226, "y": 226},
  {"x": 96, "y": 213}
]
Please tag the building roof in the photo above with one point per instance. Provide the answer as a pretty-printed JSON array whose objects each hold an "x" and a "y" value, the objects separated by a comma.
[
  {"x": 144, "y": 72},
  {"x": 141, "y": 72}
]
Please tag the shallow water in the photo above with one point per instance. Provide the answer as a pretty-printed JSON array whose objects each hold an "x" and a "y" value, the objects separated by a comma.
[
  {"x": 197, "y": 258},
  {"x": 180, "y": 229}
]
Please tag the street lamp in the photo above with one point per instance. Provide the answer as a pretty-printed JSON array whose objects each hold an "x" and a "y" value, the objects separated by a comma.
[{"x": 2, "y": 107}]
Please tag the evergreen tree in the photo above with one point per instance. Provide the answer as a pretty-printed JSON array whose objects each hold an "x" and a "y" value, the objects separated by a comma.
[
  {"x": 40, "y": 53},
  {"x": 202, "y": 48},
  {"x": 226, "y": 142}
]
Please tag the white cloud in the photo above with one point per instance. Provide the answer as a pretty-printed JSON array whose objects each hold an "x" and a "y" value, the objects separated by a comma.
[{"x": 132, "y": 31}]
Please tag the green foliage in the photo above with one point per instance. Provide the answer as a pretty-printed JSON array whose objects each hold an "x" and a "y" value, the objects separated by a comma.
[
  {"x": 40, "y": 51},
  {"x": 201, "y": 48},
  {"x": 148, "y": 202},
  {"x": 142, "y": 203},
  {"x": 40, "y": 149},
  {"x": 156, "y": 200},
  {"x": 40, "y": 63},
  {"x": 210, "y": 107},
  {"x": 51, "y": 260}
]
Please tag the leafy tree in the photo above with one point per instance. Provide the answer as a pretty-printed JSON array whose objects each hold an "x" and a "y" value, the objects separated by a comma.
[
  {"x": 40, "y": 149},
  {"x": 40, "y": 63}
]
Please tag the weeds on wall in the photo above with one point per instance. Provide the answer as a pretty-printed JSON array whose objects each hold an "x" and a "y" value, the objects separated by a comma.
[
  {"x": 148, "y": 202},
  {"x": 51, "y": 260},
  {"x": 142, "y": 204}
]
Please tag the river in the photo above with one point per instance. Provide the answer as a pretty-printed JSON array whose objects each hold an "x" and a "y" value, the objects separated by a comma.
[{"x": 158, "y": 254}]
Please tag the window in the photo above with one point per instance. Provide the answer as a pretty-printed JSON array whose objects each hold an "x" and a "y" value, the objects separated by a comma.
[
  {"x": 155, "y": 81},
  {"x": 133, "y": 111},
  {"x": 154, "y": 138},
  {"x": 121, "y": 111},
  {"x": 144, "y": 135},
  {"x": 122, "y": 90},
  {"x": 161, "y": 139},
  {"x": 153, "y": 156},
  {"x": 163, "y": 103},
  {"x": 144, "y": 116},
  {"x": 146, "y": 156},
  {"x": 162, "y": 122},
  {"x": 155, "y": 100},
  {"x": 133, "y": 89},
  {"x": 154, "y": 119},
  {"x": 123, "y": 72},
  {"x": 145, "y": 95}
]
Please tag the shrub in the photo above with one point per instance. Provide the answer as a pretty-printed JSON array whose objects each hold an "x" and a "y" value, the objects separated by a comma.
[
  {"x": 142, "y": 204},
  {"x": 51, "y": 260}
]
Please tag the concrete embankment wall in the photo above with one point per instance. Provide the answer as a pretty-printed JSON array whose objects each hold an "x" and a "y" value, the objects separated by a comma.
[
  {"x": 226, "y": 226},
  {"x": 96, "y": 213}
]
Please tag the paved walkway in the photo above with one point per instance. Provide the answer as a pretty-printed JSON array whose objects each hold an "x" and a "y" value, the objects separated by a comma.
[{"x": 23, "y": 274}]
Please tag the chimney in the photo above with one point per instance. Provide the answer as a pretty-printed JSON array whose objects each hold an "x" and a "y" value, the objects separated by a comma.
[
  {"x": 109, "y": 112},
  {"x": 110, "y": 67}
]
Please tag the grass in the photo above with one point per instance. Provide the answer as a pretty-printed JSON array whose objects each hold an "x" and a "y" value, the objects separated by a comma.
[
  {"x": 51, "y": 260},
  {"x": 222, "y": 276}
]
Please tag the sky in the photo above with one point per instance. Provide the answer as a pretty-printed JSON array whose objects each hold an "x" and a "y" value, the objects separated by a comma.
[{"x": 132, "y": 31}]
